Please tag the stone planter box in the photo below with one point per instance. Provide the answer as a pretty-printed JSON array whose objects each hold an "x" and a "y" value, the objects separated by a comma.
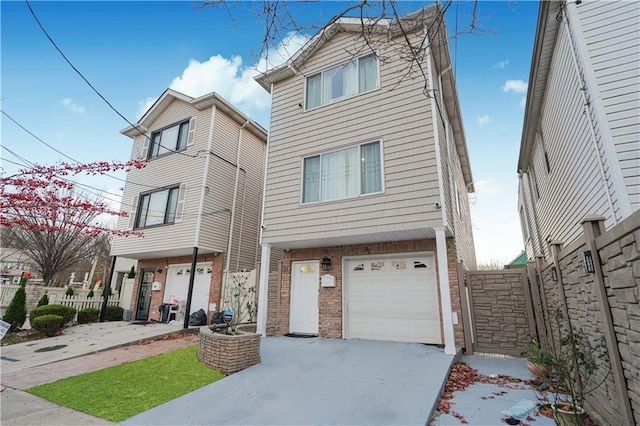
[{"x": 228, "y": 353}]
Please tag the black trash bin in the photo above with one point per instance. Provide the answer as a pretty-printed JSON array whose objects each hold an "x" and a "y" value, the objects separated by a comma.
[{"x": 164, "y": 311}]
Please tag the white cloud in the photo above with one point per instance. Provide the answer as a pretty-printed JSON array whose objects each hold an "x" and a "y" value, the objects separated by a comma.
[
  {"x": 489, "y": 187},
  {"x": 72, "y": 106},
  {"x": 231, "y": 79},
  {"x": 501, "y": 64},
  {"x": 515, "y": 86},
  {"x": 143, "y": 106},
  {"x": 484, "y": 120}
]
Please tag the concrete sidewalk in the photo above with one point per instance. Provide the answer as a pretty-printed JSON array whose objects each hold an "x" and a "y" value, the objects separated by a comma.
[
  {"x": 80, "y": 340},
  {"x": 85, "y": 348}
]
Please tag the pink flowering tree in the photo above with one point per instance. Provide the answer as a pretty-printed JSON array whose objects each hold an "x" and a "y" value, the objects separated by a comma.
[{"x": 43, "y": 214}]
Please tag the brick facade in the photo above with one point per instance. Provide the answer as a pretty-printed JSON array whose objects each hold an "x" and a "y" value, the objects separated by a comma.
[
  {"x": 330, "y": 298},
  {"x": 157, "y": 297}
]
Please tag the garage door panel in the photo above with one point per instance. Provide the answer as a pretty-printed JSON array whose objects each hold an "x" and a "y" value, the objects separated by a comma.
[{"x": 390, "y": 299}]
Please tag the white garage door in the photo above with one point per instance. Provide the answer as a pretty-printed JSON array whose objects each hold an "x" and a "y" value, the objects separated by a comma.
[
  {"x": 178, "y": 285},
  {"x": 392, "y": 298}
]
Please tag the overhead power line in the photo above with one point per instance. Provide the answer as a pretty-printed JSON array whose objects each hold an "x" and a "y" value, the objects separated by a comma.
[
  {"x": 93, "y": 88},
  {"x": 69, "y": 157}
]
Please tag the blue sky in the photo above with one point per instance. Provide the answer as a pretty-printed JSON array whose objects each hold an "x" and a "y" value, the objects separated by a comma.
[{"x": 132, "y": 51}]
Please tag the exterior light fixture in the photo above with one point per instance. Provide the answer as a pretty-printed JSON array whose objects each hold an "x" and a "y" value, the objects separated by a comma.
[
  {"x": 554, "y": 273},
  {"x": 326, "y": 264},
  {"x": 159, "y": 270},
  {"x": 589, "y": 267}
]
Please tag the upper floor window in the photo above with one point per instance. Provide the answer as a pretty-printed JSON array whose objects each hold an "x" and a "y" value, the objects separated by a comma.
[
  {"x": 345, "y": 173},
  {"x": 357, "y": 76},
  {"x": 169, "y": 139},
  {"x": 157, "y": 207}
]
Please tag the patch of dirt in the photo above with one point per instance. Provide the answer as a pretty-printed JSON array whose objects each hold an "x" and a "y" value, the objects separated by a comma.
[{"x": 12, "y": 338}]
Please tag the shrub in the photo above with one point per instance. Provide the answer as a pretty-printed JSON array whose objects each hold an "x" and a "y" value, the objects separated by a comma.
[
  {"x": 44, "y": 300},
  {"x": 16, "y": 313},
  {"x": 114, "y": 313},
  {"x": 48, "y": 325},
  {"x": 132, "y": 273},
  {"x": 66, "y": 312},
  {"x": 88, "y": 315},
  {"x": 69, "y": 291},
  {"x": 90, "y": 294}
]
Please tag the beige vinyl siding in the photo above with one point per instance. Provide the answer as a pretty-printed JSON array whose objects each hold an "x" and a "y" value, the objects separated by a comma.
[
  {"x": 611, "y": 34},
  {"x": 574, "y": 186},
  {"x": 170, "y": 169},
  {"x": 218, "y": 200},
  {"x": 410, "y": 179}
]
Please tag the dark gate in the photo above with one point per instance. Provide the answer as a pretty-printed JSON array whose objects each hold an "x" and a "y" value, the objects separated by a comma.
[{"x": 500, "y": 310}]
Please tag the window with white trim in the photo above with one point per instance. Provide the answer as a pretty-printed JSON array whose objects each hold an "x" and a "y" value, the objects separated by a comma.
[
  {"x": 344, "y": 173},
  {"x": 352, "y": 78},
  {"x": 157, "y": 207},
  {"x": 169, "y": 139}
]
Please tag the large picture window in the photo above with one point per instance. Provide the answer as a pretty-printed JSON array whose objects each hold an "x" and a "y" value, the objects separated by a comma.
[
  {"x": 157, "y": 207},
  {"x": 357, "y": 76},
  {"x": 169, "y": 139},
  {"x": 345, "y": 173}
]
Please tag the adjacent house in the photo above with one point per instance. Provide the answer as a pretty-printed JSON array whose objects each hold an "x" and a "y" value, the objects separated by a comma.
[
  {"x": 580, "y": 148},
  {"x": 366, "y": 185},
  {"x": 197, "y": 201}
]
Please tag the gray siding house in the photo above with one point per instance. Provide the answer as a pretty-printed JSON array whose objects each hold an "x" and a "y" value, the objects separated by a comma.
[
  {"x": 366, "y": 186},
  {"x": 580, "y": 148},
  {"x": 198, "y": 200}
]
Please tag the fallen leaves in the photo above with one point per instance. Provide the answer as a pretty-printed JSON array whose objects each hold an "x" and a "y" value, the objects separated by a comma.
[{"x": 462, "y": 376}]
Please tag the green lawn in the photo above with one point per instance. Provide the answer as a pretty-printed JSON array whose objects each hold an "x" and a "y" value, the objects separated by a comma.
[{"x": 117, "y": 393}]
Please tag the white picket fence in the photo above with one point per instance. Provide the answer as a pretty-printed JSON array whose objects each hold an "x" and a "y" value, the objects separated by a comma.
[
  {"x": 82, "y": 302},
  {"x": 6, "y": 293},
  {"x": 57, "y": 295}
]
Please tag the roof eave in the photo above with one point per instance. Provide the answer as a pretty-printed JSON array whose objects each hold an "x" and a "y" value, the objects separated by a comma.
[{"x": 538, "y": 78}]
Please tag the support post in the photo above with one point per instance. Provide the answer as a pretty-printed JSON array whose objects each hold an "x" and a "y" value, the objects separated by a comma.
[
  {"x": 556, "y": 246},
  {"x": 263, "y": 290},
  {"x": 192, "y": 277},
  {"x": 445, "y": 292},
  {"x": 107, "y": 289},
  {"x": 593, "y": 226},
  {"x": 537, "y": 303},
  {"x": 464, "y": 306}
]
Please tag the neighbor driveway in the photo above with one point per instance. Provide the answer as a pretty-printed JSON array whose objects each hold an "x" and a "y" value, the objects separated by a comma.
[{"x": 318, "y": 381}]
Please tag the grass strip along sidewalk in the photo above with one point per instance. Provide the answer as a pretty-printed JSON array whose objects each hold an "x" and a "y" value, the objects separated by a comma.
[{"x": 117, "y": 393}]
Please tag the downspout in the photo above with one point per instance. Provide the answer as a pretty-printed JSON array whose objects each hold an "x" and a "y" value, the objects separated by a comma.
[
  {"x": 235, "y": 198},
  {"x": 436, "y": 136},
  {"x": 205, "y": 176},
  {"x": 453, "y": 196},
  {"x": 587, "y": 84},
  {"x": 536, "y": 225},
  {"x": 244, "y": 193},
  {"x": 265, "y": 259}
]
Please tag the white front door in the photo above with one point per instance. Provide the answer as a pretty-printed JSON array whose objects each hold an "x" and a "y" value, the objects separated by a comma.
[{"x": 305, "y": 280}]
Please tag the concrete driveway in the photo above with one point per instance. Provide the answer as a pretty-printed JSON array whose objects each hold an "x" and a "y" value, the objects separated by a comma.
[{"x": 318, "y": 381}]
